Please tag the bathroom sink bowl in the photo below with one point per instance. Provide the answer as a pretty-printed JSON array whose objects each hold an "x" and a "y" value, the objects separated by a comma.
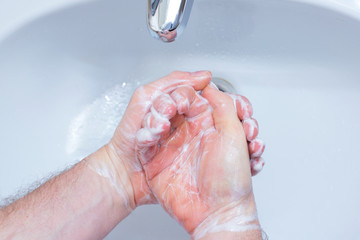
[{"x": 67, "y": 76}]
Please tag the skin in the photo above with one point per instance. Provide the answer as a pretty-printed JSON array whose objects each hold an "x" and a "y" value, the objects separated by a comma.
[
  {"x": 78, "y": 204},
  {"x": 122, "y": 145},
  {"x": 201, "y": 173},
  {"x": 81, "y": 202}
]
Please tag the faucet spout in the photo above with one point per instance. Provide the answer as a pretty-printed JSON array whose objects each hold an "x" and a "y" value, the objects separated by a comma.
[{"x": 167, "y": 19}]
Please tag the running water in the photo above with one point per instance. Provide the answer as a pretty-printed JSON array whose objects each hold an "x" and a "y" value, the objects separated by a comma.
[{"x": 96, "y": 124}]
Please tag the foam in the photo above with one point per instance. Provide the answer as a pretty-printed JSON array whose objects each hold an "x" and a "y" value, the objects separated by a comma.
[
  {"x": 252, "y": 125},
  {"x": 258, "y": 164},
  {"x": 261, "y": 144},
  {"x": 145, "y": 136},
  {"x": 233, "y": 220},
  {"x": 157, "y": 115}
]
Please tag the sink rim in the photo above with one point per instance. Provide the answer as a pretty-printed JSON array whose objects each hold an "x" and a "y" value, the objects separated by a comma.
[{"x": 346, "y": 7}]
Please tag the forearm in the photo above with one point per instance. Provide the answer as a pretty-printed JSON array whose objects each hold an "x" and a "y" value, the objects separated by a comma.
[{"x": 78, "y": 204}]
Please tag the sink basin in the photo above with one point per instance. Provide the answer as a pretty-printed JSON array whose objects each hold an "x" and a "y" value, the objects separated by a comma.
[{"x": 67, "y": 75}]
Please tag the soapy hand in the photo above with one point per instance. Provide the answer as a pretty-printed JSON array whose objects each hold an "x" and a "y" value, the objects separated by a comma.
[
  {"x": 196, "y": 159},
  {"x": 121, "y": 148}
]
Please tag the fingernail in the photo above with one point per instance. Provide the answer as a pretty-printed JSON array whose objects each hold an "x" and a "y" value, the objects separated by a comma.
[{"x": 200, "y": 74}]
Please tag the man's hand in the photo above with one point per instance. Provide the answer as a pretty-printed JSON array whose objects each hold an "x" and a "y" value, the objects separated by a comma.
[
  {"x": 121, "y": 148},
  {"x": 201, "y": 171}
]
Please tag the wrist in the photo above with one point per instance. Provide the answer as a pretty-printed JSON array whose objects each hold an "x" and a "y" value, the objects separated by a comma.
[
  {"x": 232, "y": 221},
  {"x": 104, "y": 164},
  {"x": 140, "y": 189},
  {"x": 248, "y": 235}
]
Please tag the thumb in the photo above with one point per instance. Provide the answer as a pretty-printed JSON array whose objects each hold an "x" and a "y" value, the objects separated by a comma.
[
  {"x": 225, "y": 157},
  {"x": 224, "y": 110}
]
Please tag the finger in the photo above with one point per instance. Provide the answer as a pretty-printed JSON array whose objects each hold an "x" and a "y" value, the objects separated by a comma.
[
  {"x": 142, "y": 100},
  {"x": 165, "y": 106},
  {"x": 251, "y": 128},
  {"x": 256, "y": 165},
  {"x": 145, "y": 138},
  {"x": 197, "y": 107},
  {"x": 243, "y": 106},
  {"x": 256, "y": 148},
  {"x": 156, "y": 125},
  {"x": 224, "y": 113},
  {"x": 198, "y": 80},
  {"x": 183, "y": 97},
  {"x": 194, "y": 108},
  {"x": 189, "y": 102},
  {"x": 146, "y": 145},
  {"x": 162, "y": 109},
  {"x": 230, "y": 161}
]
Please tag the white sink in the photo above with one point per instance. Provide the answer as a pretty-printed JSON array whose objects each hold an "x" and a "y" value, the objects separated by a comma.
[{"x": 298, "y": 63}]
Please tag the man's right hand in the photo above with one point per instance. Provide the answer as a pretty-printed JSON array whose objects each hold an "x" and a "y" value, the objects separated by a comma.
[{"x": 201, "y": 172}]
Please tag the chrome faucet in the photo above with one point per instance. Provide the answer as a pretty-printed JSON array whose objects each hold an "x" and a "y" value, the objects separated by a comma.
[{"x": 167, "y": 19}]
